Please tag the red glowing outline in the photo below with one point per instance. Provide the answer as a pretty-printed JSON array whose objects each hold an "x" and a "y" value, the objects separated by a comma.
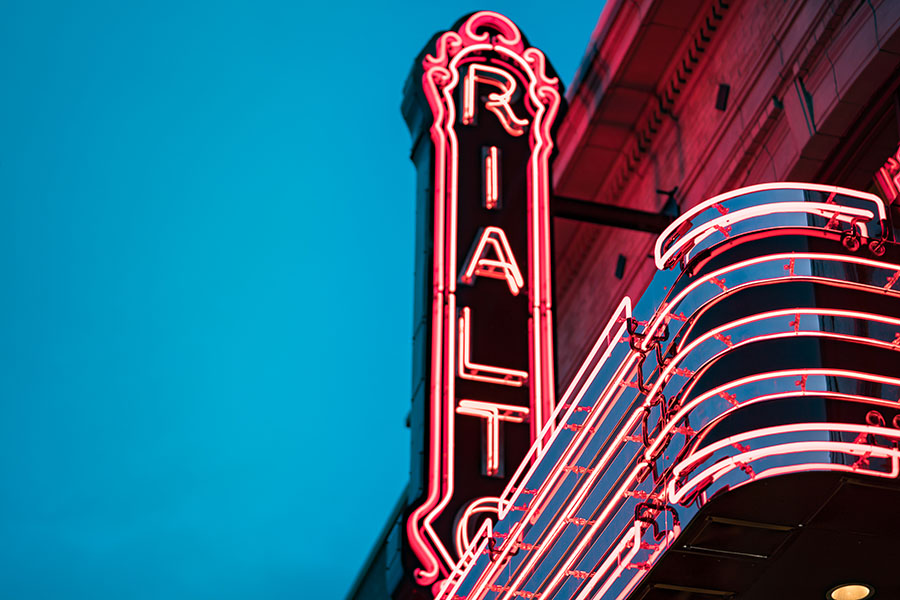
[
  {"x": 548, "y": 485},
  {"x": 497, "y": 103},
  {"x": 493, "y": 414},
  {"x": 586, "y": 485},
  {"x": 842, "y": 214},
  {"x": 450, "y": 586},
  {"x": 688, "y": 407},
  {"x": 439, "y": 80},
  {"x": 479, "y": 506},
  {"x": 503, "y": 267},
  {"x": 571, "y": 400},
  {"x": 478, "y": 372},
  {"x": 663, "y": 379},
  {"x": 727, "y": 464},
  {"x": 663, "y": 259},
  {"x": 492, "y": 179},
  {"x": 663, "y": 314},
  {"x": 574, "y": 555},
  {"x": 665, "y": 311},
  {"x": 724, "y": 466},
  {"x": 509, "y": 36},
  {"x": 632, "y": 541}
]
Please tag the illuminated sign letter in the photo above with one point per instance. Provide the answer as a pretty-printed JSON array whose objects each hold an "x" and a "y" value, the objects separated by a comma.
[
  {"x": 502, "y": 267},
  {"x": 476, "y": 372},
  {"x": 498, "y": 103},
  {"x": 493, "y": 414},
  {"x": 491, "y": 191}
]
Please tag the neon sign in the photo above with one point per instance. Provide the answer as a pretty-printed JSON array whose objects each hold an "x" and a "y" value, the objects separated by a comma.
[
  {"x": 489, "y": 108},
  {"x": 776, "y": 295}
]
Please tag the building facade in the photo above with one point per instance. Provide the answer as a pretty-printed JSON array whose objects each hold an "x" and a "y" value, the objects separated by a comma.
[
  {"x": 724, "y": 343},
  {"x": 707, "y": 97}
]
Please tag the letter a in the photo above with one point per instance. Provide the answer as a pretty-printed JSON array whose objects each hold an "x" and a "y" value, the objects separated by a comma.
[{"x": 502, "y": 267}]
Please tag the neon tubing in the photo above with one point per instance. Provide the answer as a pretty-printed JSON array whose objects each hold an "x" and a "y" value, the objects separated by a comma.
[
  {"x": 572, "y": 399},
  {"x": 720, "y": 468},
  {"x": 661, "y": 264},
  {"x": 629, "y": 426},
  {"x": 442, "y": 73},
  {"x": 536, "y": 455},
  {"x": 494, "y": 414},
  {"x": 504, "y": 267},
  {"x": 479, "y": 372},
  {"x": 666, "y": 308},
  {"x": 663, "y": 378},
  {"x": 497, "y": 103},
  {"x": 844, "y": 214},
  {"x": 492, "y": 179},
  {"x": 482, "y": 505}
]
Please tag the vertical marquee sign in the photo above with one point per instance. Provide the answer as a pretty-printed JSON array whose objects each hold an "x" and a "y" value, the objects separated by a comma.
[{"x": 489, "y": 107}]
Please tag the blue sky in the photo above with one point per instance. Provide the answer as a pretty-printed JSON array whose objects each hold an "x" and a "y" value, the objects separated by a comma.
[{"x": 206, "y": 252}]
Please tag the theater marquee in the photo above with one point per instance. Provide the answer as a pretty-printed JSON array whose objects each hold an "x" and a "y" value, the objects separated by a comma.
[{"x": 489, "y": 106}]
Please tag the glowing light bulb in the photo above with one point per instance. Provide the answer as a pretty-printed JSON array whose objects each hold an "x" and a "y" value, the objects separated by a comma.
[{"x": 851, "y": 591}]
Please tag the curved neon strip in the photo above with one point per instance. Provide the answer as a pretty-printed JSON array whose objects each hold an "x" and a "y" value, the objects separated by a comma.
[
  {"x": 614, "y": 448},
  {"x": 492, "y": 570},
  {"x": 587, "y": 485},
  {"x": 762, "y": 187},
  {"x": 696, "y": 235},
  {"x": 735, "y": 463},
  {"x": 689, "y": 407},
  {"x": 510, "y": 37},
  {"x": 664, "y": 377},
  {"x": 548, "y": 538},
  {"x": 729, "y": 464},
  {"x": 725, "y": 465},
  {"x": 482, "y": 505},
  {"x": 695, "y": 458},
  {"x": 793, "y": 277},
  {"x": 665, "y": 310}
]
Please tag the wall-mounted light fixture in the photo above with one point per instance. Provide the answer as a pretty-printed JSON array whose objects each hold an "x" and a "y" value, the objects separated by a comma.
[{"x": 851, "y": 591}]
